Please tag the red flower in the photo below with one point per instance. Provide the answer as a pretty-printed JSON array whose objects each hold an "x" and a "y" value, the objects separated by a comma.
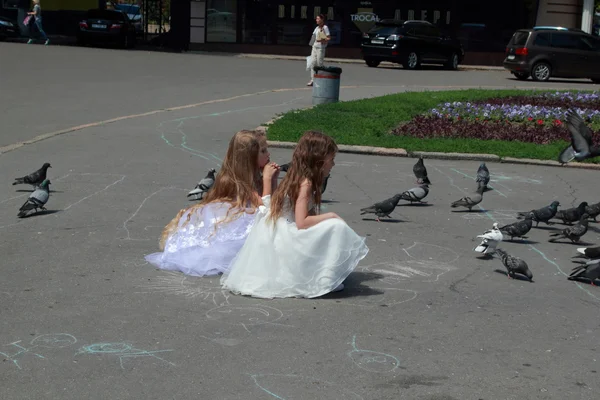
[
  {"x": 540, "y": 122},
  {"x": 529, "y": 119},
  {"x": 557, "y": 122}
]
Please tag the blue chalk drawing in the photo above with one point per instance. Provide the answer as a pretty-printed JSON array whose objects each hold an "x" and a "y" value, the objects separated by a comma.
[
  {"x": 22, "y": 351},
  {"x": 122, "y": 350},
  {"x": 373, "y": 361},
  {"x": 307, "y": 387}
]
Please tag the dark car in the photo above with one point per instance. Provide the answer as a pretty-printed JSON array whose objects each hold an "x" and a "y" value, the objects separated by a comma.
[
  {"x": 410, "y": 43},
  {"x": 106, "y": 26},
  {"x": 8, "y": 28},
  {"x": 545, "y": 52}
]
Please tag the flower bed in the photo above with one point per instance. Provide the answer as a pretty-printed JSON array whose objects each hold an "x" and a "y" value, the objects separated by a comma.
[{"x": 533, "y": 119}]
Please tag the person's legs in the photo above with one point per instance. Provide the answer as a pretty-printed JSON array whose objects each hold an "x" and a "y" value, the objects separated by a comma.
[
  {"x": 313, "y": 58},
  {"x": 38, "y": 24}
]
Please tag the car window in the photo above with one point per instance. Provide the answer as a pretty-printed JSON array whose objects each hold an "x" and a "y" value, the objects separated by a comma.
[
  {"x": 542, "y": 39},
  {"x": 384, "y": 30},
  {"x": 106, "y": 14},
  {"x": 432, "y": 31},
  {"x": 519, "y": 38},
  {"x": 569, "y": 41},
  {"x": 593, "y": 42},
  {"x": 419, "y": 29}
]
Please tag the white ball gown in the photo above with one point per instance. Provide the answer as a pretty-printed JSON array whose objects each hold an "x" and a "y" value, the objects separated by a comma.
[
  {"x": 280, "y": 260},
  {"x": 200, "y": 246}
]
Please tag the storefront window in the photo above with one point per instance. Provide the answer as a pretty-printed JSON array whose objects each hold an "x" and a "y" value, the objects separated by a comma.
[
  {"x": 221, "y": 21},
  {"x": 296, "y": 21},
  {"x": 257, "y": 19}
]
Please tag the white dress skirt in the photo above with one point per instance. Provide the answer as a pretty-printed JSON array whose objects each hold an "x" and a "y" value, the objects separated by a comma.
[
  {"x": 280, "y": 260},
  {"x": 201, "y": 246}
]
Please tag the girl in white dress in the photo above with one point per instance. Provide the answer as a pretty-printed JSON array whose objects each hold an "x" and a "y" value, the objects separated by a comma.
[
  {"x": 293, "y": 250},
  {"x": 204, "y": 238}
]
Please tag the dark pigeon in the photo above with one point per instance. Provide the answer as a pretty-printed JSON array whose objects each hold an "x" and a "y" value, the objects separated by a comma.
[
  {"x": 544, "y": 214},
  {"x": 591, "y": 271},
  {"x": 483, "y": 176},
  {"x": 593, "y": 211},
  {"x": 383, "y": 208},
  {"x": 37, "y": 199},
  {"x": 35, "y": 178},
  {"x": 592, "y": 253},
  {"x": 514, "y": 265},
  {"x": 573, "y": 233},
  {"x": 519, "y": 228},
  {"x": 421, "y": 172},
  {"x": 571, "y": 215},
  {"x": 581, "y": 140},
  {"x": 204, "y": 185}
]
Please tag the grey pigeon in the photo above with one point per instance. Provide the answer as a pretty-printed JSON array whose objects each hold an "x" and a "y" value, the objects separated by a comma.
[
  {"x": 421, "y": 172},
  {"x": 544, "y": 214},
  {"x": 383, "y": 208},
  {"x": 591, "y": 271},
  {"x": 286, "y": 167},
  {"x": 483, "y": 176},
  {"x": 592, "y": 253},
  {"x": 416, "y": 194},
  {"x": 593, "y": 211},
  {"x": 204, "y": 185},
  {"x": 514, "y": 265},
  {"x": 37, "y": 199},
  {"x": 35, "y": 178},
  {"x": 581, "y": 140},
  {"x": 571, "y": 215},
  {"x": 573, "y": 233},
  {"x": 519, "y": 228},
  {"x": 469, "y": 201}
]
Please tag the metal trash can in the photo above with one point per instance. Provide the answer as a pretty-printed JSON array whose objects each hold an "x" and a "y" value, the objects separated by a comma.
[{"x": 326, "y": 85}]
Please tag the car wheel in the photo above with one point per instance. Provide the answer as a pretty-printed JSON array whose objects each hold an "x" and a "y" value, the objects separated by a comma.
[
  {"x": 452, "y": 62},
  {"x": 372, "y": 63},
  {"x": 541, "y": 72},
  {"x": 522, "y": 76},
  {"x": 412, "y": 61}
]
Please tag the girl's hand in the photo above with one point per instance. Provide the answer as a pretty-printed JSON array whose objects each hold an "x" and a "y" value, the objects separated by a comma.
[{"x": 270, "y": 171}]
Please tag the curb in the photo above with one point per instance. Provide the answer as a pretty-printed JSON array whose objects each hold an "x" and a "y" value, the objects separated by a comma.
[{"x": 359, "y": 61}]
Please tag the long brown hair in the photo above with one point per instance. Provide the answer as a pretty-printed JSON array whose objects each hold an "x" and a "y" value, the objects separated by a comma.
[
  {"x": 307, "y": 163},
  {"x": 235, "y": 183}
]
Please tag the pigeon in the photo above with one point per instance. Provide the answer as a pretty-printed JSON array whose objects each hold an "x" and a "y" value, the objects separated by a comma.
[
  {"x": 383, "y": 208},
  {"x": 593, "y": 211},
  {"x": 571, "y": 215},
  {"x": 544, "y": 214},
  {"x": 514, "y": 265},
  {"x": 491, "y": 238},
  {"x": 286, "y": 167},
  {"x": 469, "y": 201},
  {"x": 204, "y": 185},
  {"x": 416, "y": 194},
  {"x": 483, "y": 176},
  {"x": 573, "y": 233},
  {"x": 590, "y": 270},
  {"x": 35, "y": 178},
  {"x": 519, "y": 228},
  {"x": 592, "y": 253},
  {"x": 581, "y": 140},
  {"x": 421, "y": 172},
  {"x": 37, "y": 199}
]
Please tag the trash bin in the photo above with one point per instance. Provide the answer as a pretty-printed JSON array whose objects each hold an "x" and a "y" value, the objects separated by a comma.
[{"x": 326, "y": 85}]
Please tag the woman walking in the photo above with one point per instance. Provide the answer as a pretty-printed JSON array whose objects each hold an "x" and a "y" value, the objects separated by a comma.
[
  {"x": 36, "y": 13},
  {"x": 319, "y": 41}
]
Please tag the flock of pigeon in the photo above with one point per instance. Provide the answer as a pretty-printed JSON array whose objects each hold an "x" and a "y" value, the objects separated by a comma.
[{"x": 581, "y": 148}]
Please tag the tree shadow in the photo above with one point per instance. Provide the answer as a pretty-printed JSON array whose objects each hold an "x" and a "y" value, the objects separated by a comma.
[{"x": 517, "y": 277}]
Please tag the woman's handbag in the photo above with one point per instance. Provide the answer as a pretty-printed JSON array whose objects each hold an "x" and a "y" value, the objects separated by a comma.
[
  {"x": 312, "y": 40},
  {"x": 27, "y": 20}
]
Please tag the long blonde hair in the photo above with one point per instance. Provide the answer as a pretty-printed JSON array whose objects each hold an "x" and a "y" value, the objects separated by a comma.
[
  {"x": 307, "y": 163},
  {"x": 235, "y": 183}
]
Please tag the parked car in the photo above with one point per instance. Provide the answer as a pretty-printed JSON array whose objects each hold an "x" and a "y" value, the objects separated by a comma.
[
  {"x": 106, "y": 26},
  {"x": 8, "y": 28},
  {"x": 553, "y": 52},
  {"x": 410, "y": 43},
  {"x": 134, "y": 13}
]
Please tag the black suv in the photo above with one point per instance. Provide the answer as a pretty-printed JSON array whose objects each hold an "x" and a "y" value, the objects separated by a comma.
[
  {"x": 547, "y": 52},
  {"x": 410, "y": 43}
]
